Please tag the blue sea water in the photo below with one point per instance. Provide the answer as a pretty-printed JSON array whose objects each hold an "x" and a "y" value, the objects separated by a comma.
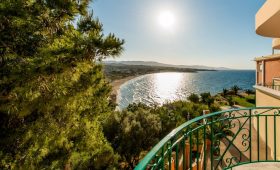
[{"x": 159, "y": 88}]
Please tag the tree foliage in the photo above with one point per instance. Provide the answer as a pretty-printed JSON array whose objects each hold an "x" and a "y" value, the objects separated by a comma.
[
  {"x": 206, "y": 98},
  {"x": 53, "y": 95},
  {"x": 138, "y": 128},
  {"x": 235, "y": 89},
  {"x": 225, "y": 92},
  {"x": 133, "y": 132},
  {"x": 193, "y": 98}
]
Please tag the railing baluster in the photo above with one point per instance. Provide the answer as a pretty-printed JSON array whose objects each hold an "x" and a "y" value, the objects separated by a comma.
[
  {"x": 197, "y": 151},
  {"x": 212, "y": 141},
  {"x": 258, "y": 136},
  {"x": 177, "y": 157},
  {"x": 169, "y": 156},
  {"x": 183, "y": 143},
  {"x": 162, "y": 157},
  {"x": 275, "y": 137},
  {"x": 204, "y": 146},
  {"x": 190, "y": 161},
  {"x": 266, "y": 142},
  {"x": 250, "y": 133}
]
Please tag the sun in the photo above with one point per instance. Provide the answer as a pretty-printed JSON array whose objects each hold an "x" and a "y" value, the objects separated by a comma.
[{"x": 166, "y": 20}]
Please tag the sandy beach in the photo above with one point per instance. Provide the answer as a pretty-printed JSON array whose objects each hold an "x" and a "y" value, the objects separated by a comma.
[{"x": 117, "y": 84}]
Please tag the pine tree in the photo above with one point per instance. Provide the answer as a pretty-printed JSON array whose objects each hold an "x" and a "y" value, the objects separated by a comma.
[{"x": 53, "y": 94}]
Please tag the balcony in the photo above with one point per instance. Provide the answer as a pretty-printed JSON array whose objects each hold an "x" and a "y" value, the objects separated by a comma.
[
  {"x": 272, "y": 89},
  {"x": 276, "y": 43},
  {"x": 232, "y": 139},
  {"x": 268, "y": 19},
  {"x": 267, "y": 95}
]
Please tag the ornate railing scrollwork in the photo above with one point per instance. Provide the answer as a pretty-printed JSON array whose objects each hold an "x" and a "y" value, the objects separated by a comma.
[{"x": 218, "y": 140}]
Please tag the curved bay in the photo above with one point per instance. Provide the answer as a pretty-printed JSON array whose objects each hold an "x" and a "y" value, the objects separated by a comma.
[{"x": 159, "y": 88}]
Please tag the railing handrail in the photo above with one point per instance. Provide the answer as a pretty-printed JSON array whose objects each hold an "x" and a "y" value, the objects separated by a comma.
[{"x": 152, "y": 153}]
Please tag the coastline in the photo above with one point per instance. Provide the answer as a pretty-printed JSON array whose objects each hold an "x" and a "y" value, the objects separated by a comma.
[{"x": 116, "y": 84}]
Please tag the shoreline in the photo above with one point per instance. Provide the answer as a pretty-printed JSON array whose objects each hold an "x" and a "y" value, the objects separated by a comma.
[{"x": 116, "y": 85}]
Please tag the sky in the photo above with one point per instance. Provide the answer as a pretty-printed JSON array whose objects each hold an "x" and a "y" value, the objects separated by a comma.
[{"x": 218, "y": 33}]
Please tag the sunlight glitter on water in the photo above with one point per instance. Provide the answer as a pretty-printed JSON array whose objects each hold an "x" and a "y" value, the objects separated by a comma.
[
  {"x": 160, "y": 88},
  {"x": 167, "y": 86}
]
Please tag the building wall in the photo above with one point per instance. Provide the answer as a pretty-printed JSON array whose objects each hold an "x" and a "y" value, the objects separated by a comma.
[
  {"x": 263, "y": 99},
  {"x": 272, "y": 70}
]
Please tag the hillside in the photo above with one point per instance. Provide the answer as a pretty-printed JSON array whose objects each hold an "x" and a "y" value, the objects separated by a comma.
[
  {"x": 116, "y": 71},
  {"x": 153, "y": 63}
]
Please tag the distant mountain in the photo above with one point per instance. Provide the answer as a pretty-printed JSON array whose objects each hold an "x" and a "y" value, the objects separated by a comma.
[{"x": 153, "y": 63}]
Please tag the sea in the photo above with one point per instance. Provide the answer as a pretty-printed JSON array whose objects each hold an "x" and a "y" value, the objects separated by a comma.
[{"x": 159, "y": 88}]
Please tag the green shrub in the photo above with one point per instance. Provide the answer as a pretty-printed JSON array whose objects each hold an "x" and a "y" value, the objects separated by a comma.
[
  {"x": 193, "y": 98},
  {"x": 214, "y": 107}
]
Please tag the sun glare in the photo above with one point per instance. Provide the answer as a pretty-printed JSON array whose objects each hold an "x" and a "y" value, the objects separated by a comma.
[{"x": 166, "y": 20}]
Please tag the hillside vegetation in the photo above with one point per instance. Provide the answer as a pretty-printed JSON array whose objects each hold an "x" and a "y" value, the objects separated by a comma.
[{"x": 119, "y": 71}]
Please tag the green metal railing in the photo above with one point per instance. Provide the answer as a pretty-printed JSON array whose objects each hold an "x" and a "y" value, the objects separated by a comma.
[{"x": 220, "y": 140}]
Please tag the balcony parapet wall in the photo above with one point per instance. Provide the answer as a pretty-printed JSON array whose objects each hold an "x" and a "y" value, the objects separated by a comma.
[{"x": 268, "y": 19}]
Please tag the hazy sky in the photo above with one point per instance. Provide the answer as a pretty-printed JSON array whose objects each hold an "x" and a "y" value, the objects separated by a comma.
[{"x": 201, "y": 32}]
